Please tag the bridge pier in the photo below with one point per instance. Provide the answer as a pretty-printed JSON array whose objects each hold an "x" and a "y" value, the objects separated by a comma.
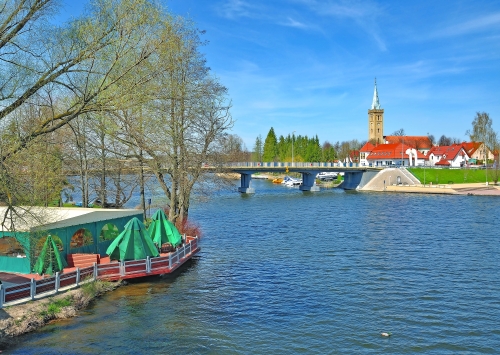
[
  {"x": 308, "y": 181},
  {"x": 246, "y": 179}
]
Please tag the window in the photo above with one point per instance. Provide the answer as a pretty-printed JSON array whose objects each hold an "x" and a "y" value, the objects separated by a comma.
[
  {"x": 108, "y": 232},
  {"x": 81, "y": 238},
  {"x": 10, "y": 246}
]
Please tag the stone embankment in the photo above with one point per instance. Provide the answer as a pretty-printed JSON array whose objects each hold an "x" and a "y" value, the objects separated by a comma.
[{"x": 400, "y": 180}]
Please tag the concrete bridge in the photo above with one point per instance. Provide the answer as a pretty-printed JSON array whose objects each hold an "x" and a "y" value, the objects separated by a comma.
[{"x": 354, "y": 175}]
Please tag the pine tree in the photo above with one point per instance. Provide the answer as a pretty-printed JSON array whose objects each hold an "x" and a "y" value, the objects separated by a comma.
[
  {"x": 270, "y": 147},
  {"x": 257, "y": 150}
]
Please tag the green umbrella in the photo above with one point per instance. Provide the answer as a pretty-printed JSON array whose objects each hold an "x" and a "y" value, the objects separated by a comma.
[
  {"x": 163, "y": 231},
  {"x": 49, "y": 260},
  {"x": 133, "y": 243}
]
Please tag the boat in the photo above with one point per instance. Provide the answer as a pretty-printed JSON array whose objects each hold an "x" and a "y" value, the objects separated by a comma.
[
  {"x": 286, "y": 179},
  {"x": 290, "y": 181},
  {"x": 278, "y": 180},
  {"x": 327, "y": 176}
]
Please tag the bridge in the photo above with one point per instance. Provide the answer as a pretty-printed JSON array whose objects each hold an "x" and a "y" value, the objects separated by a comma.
[{"x": 354, "y": 174}]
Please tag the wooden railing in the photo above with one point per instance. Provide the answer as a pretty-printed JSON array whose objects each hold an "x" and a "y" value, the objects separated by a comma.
[{"x": 115, "y": 270}]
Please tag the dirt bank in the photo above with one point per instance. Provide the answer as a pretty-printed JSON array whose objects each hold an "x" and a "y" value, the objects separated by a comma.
[{"x": 27, "y": 317}]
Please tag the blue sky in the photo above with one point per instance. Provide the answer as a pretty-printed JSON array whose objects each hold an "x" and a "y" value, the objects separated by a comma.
[{"x": 309, "y": 65}]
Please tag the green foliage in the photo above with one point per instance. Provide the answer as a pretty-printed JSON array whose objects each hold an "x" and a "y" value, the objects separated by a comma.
[
  {"x": 455, "y": 176},
  {"x": 300, "y": 148},
  {"x": 270, "y": 146},
  {"x": 258, "y": 149},
  {"x": 95, "y": 288},
  {"x": 55, "y": 306}
]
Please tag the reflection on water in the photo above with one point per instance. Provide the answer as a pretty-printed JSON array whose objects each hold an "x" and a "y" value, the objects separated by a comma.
[{"x": 286, "y": 272}]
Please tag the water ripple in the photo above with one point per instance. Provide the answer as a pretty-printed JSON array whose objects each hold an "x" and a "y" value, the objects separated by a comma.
[{"x": 285, "y": 272}]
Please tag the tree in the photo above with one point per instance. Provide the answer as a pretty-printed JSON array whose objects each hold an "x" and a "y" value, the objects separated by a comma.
[
  {"x": 182, "y": 119},
  {"x": 399, "y": 132},
  {"x": 233, "y": 148},
  {"x": 482, "y": 131},
  {"x": 328, "y": 152},
  {"x": 258, "y": 149},
  {"x": 56, "y": 74},
  {"x": 88, "y": 65},
  {"x": 270, "y": 146}
]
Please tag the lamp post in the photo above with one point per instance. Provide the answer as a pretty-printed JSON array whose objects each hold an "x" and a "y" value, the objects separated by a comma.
[
  {"x": 293, "y": 134},
  {"x": 402, "y": 144},
  {"x": 424, "y": 173}
]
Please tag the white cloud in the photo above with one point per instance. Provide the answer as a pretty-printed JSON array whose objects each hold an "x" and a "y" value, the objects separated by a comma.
[
  {"x": 290, "y": 22},
  {"x": 475, "y": 25},
  {"x": 363, "y": 13},
  {"x": 238, "y": 8}
]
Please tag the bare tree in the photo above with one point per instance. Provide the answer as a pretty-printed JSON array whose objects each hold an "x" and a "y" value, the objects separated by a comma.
[{"x": 399, "y": 132}]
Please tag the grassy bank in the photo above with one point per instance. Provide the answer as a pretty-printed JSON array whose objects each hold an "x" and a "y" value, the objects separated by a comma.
[
  {"x": 27, "y": 317},
  {"x": 453, "y": 176}
]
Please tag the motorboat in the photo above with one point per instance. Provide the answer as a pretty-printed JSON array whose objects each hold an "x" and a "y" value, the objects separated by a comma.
[
  {"x": 290, "y": 182},
  {"x": 327, "y": 176}
]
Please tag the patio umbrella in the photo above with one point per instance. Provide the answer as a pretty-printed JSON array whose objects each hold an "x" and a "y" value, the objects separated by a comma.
[
  {"x": 133, "y": 243},
  {"x": 49, "y": 260},
  {"x": 163, "y": 231}
]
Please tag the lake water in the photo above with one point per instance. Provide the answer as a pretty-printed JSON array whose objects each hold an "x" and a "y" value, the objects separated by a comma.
[{"x": 286, "y": 272}]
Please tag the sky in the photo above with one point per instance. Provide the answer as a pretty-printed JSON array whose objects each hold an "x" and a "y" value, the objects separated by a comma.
[{"x": 308, "y": 66}]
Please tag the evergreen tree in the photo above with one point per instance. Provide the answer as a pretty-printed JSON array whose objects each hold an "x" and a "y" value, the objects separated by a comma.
[
  {"x": 282, "y": 148},
  {"x": 258, "y": 149},
  {"x": 270, "y": 147}
]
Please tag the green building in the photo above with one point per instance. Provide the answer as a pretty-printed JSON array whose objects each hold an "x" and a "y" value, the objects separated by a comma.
[{"x": 75, "y": 230}]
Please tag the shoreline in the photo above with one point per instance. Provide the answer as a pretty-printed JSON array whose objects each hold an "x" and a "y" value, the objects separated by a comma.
[
  {"x": 17, "y": 320},
  {"x": 470, "y": 189}
]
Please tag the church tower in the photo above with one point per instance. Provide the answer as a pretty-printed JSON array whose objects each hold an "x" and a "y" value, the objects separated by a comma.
[{"x": 376, "y": 120}]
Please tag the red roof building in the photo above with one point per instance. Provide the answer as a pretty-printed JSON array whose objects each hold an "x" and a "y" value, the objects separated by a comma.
[
  {"x": 395, "y": 154},
  {"x": 364, "y": 152},
  {"x": 443, "y": 163},
  {"x": 475, "y": 150},
  {"x": 421, "y": 143},
  {"x": 454, "y": 154}
]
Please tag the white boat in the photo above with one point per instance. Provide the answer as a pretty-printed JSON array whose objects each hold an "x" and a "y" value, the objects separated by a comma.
[
  {"x": 291, "y": 181},
  {"x": 326, "y": 176},
  {"x": 285, "y": 179}
]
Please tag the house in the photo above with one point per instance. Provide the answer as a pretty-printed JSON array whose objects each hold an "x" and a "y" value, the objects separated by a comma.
[
  {"x": 364, "y": 152},
  {"x": 421, "y": 143},
  {"x": 454, "y": 154},
  {"x": 394, "y": 154},
  {"x": 354, "y": 156},
  {"x": 476, "y": 151}
]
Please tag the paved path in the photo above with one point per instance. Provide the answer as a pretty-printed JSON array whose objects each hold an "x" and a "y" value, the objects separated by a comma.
[
  {"x": 452, "y": 189},
  {"x": 9, "y": 280}
]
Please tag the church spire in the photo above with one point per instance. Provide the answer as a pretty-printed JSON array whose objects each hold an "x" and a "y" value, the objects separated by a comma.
[{"x": 375, "y": 102}]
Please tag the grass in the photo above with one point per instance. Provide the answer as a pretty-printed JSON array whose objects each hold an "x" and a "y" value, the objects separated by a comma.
[
  {"x": 95, "y": 288},
  {"x": 453, "y": 176},
  {"x": 55, "y": 307}
]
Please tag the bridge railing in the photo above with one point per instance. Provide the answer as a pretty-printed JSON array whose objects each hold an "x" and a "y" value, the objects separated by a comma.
[{"x": 290, "y": 165}]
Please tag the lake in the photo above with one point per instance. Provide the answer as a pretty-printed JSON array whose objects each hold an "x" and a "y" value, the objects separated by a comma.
[{"x": 287, "y": 272}]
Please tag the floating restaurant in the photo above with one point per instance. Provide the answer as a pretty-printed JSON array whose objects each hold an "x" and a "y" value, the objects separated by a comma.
[{"x": 75, "y": 244}]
